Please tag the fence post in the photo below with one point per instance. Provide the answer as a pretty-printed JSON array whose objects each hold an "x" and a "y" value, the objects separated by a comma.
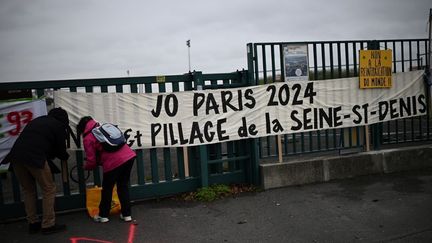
[
  {"x": 253, "y": 142},
  {"x": 374, "y": 45},
  {"x": 199, "y": 85}
]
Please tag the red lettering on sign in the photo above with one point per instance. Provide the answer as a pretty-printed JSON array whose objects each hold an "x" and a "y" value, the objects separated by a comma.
[
  {"x": 19, "y": 120},
  {"x": 14, "y": 118}
]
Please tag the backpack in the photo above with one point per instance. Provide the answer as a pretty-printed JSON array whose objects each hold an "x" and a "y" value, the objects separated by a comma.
[{"x": 110, "y": 136}]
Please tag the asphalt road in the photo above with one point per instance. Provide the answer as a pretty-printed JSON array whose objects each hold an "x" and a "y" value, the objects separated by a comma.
[{"x": 378, "y": 208}]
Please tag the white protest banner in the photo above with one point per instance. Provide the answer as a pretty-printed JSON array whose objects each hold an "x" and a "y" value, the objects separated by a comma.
[
  {"x": 211, "y": 116},
  {"x": 14, "y": 116}
]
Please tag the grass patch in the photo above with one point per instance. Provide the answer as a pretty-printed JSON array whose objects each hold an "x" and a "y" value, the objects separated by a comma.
[
  {"x": 211, "y": 193},
  {"x": 214, "y": 192}
]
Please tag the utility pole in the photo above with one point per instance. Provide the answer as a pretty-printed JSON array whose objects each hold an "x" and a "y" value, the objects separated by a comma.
[{"x": 188, "y": 45}]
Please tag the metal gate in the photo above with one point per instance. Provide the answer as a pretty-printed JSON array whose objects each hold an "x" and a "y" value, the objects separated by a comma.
[
  {"x": 167, "y": 171},
  {"x": 157, "y": 172},
  {"x": 339, "y": 59}
]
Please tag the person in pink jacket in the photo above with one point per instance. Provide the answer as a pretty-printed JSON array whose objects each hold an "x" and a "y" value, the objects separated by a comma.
[{"x": 116, "y": 166}]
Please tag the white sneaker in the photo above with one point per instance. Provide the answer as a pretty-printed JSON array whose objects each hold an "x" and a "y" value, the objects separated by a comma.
[
  {"x": 126, "y": 218},
  {"x": 100, "y": 219}
]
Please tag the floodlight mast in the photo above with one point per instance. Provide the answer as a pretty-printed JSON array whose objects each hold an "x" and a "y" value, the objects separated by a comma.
[{"x": 188, "y": 45}]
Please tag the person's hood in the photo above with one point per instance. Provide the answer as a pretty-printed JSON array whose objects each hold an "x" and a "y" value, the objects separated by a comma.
[
  {"x": 60, "y": 115},
  {"x": 90, "y": 125}
]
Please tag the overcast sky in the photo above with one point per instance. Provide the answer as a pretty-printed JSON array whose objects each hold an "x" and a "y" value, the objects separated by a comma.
[{"x": 64, "y": 39}]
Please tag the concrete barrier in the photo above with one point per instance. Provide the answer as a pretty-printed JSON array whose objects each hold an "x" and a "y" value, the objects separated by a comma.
[
  {"x": 284, "y": 174},
  {"x": 323, "y": 169},
  {"x": 407, "y": 159}
]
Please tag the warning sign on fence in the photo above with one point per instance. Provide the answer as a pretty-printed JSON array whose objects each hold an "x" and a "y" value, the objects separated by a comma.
[{"x": 375, "y": 69}]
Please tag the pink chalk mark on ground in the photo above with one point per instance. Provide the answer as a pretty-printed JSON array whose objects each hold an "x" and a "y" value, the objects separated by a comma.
[
  {"x": 79, "y": 239},
  {"x": 131, "y": 237},
  {"x": 131, "y": 233}
]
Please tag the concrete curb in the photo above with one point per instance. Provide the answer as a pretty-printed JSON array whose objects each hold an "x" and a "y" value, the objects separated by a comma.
[{"x": 323, "y": 169}]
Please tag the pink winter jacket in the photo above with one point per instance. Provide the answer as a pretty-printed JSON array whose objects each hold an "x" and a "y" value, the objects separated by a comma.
[{"x": 96, "y": 155}]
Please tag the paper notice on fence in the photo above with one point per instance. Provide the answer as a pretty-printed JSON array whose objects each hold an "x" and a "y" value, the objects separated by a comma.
[{"x": 296, "y": 62}]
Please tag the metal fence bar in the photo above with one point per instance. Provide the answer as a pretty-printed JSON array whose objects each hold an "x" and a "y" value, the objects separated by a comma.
[
  {"x": 294, "y": 146},
  {"x": 410, "y": 56},
  {"x": 264, "y": 64},
  {"x": 140, "y": 166},
  {"x": 230, "y": 154},
  {"x": 273, "y": 70},
  {"x": 428, "y": 99},
  {"x": 347, "y": 62},
  {"x": 394, "y": 57},
  {"x": 331, "y": 61},
  {"x": 315, "y": 61},
  {"x": 402, "y": 56},
  {"x": 281, "y": 60},
  {"x": 179, "y": 151},
  {"x": 166, "y": 151},
  {"x": 339, "y": 58},
  {"x": 418, "y": 54}
]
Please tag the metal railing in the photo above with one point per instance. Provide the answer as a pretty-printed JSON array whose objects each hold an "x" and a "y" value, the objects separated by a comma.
[
  {"x": 339, "y": 59},
  {"x": 157, "y": 171},
  {"x": 165, "y": 171}
]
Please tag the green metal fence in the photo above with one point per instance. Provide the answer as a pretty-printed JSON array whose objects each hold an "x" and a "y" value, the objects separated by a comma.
[
  {"x": 157, "y": 172},
  {"x": 166, "y": 171},
  {"x": 338, "y": 59}
]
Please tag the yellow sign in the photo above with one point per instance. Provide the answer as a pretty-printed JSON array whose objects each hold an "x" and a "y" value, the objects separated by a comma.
[
  {"x": 160, "y": 79},
  {"x": 375, "y": 69}
]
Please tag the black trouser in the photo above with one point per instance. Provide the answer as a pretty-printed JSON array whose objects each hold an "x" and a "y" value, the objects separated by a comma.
[{"x": 119, "y": 176}]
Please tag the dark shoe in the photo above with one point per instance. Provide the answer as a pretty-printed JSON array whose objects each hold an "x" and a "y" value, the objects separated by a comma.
[
  {"x": 34, "y": 227},
  {"x": 53, "y": 229}
]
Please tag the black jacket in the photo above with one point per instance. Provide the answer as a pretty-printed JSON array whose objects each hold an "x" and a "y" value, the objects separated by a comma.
[{"x": 44, "y": 138}]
